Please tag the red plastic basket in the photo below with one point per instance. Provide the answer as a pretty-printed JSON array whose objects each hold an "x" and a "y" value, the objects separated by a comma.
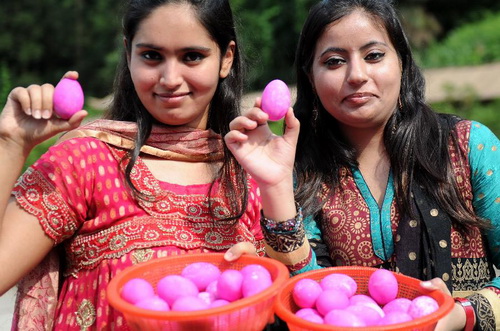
[
  {"x": 247, "y": 314},
  {"x": 409, "y": 287}
]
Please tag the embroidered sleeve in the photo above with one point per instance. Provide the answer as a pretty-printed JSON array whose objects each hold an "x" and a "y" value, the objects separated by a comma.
[
  {"x": 484, "y": 159},
  {"x": 54, "y": 188}
]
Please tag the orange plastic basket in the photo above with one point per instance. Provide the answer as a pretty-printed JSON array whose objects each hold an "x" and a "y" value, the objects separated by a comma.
[
  {"x": 247, "y": 314},
  {"x": 409, "y": 287}
]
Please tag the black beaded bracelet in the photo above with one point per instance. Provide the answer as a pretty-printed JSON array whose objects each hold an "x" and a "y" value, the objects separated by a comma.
[{"x": 289, "y": 226}]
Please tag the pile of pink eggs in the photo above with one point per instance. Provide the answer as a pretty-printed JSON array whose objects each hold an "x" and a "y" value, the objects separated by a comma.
[
  {"x": 333, "y": 301},
  {"x": 200, "y": 285}
]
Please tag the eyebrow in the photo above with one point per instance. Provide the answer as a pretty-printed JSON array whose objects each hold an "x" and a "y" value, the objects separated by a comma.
[
  {"x": 186, "y": 49},
  {"x": 343, "y": 50}
]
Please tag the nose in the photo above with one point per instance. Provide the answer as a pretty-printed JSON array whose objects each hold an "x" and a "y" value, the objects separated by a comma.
[
  {"x": 357, "y": 72},
  {"x": 171, "y": 76}
]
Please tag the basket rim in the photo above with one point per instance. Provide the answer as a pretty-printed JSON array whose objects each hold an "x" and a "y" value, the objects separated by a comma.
[
  {"x": 289, "y": 317},
  {"x": 126, "y": 308}
]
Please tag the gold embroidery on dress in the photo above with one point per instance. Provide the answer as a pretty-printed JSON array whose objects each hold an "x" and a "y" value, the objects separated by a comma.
[
  {"x": 141, "y": 255},
  {"x": 85, "y": 315}
]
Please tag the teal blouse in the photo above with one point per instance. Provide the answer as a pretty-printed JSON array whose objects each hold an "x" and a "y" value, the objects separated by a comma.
[{"x": 484, "y": 159}]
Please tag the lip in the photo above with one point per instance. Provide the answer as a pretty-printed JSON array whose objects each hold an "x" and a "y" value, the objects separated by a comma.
[
  {"x": 171, "y": 97},
  {"x": 359, "y": 97}
]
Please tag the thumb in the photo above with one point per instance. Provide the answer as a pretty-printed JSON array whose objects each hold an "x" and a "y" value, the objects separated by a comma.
[
  {"x": 292, "y": 127},
  {"x": 238, "y": 250}
]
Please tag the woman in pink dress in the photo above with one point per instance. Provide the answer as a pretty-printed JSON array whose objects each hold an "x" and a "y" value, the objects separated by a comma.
[{"x": 152, "y": 179}]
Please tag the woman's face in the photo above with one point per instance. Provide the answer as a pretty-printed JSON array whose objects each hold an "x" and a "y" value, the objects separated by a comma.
[
  {"x": 356, "y": 72},
  {"x": 175, "y": 66}
]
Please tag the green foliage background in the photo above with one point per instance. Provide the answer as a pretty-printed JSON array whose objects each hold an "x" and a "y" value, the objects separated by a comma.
[{"x": 40, "y": 40}]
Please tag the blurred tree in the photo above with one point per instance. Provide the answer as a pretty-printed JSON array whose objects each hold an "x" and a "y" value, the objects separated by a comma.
[{"x": 40, "y": 40}]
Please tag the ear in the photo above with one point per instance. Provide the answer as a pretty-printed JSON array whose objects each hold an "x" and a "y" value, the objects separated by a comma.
[{"x": 227, "y": 60}]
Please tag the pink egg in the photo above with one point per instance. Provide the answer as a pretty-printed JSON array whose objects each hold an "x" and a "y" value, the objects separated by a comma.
[
  {"x": 331, "y": 299},
  {"x": 229, "y": 285},
  {"x": 255, "y": 282},
  {"x": 367, "y": 314},
  {"x": 207, "y": 297},
  {"x": 219, "y": 303},
  {"x": 374, "y": 306},
  {"x": 306, "y": 311},
  {"x": 201, "y": 273},
  {"x": 172, "y": 287},
  {"x": 398, "y": 304},
  {"x": 276, "y": 99},
  {"x": 68, "y": 98},
  {"x": 153, "y": 303},
  {"x": 305, "y": 292},
  {"x": 422, "y": 305},
  {"x": 383, "y": 286},
  {"x": 212, "y": 289},
  {"x": 341, "y": 317},
  {"x": 189, "y": 303},
  {"x": 359, "y": 298},
  {"x": 255, "y": 269},
  {"x": 137, "y": 289},
  {"x": 394, "y": 317},
  {"x": 313, "y": 318},
  {"x": 340, "y": 282}
]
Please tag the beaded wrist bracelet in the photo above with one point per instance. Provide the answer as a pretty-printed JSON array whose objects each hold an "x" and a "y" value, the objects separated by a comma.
[
  {"x": 290, "y": 225},
  {"x": 284, "y": 237}
]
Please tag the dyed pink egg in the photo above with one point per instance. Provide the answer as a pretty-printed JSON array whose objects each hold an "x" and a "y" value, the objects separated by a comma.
[
  {"x": 398, "y": 304},
  {"x": 313, "y": 318},
  {"x": 422, "y": 305},
  {"x": 68, "y": 98},
  {"x": 201, "y": 273},
  {"x": 207, "y": 297},
  {"x": 229, "y": 285},
  {"x": 255, "y": 269},
  {"x": 153, "y": 303},
  {"x": 189, "y": 303},
  {"x": 341, "y": 282},
  {"x": 306, "y": 292},
  {"x": 331, "y": 299},
  {"x": 367, "y": 314},
  {"x": 276, "y": 99},
  {"x": 255, "y": 282},
  {"x": 137, "y": 289},
  {"x": 394, "y": 317},
  {"x": 361, "y": 298},
  {"x": 172, "y": 287},
  {"x": 306, "y": 311},
  {"x": 341, "y": 317},
  {"x": 383, "y": 286},
  {"x": 212, "y": 289},
  {"x": 219, "y": 303},
  {"x": 374, "y": 306}
]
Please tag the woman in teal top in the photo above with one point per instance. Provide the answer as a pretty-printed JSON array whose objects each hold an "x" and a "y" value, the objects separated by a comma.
[{"x": 379, "y": 179}]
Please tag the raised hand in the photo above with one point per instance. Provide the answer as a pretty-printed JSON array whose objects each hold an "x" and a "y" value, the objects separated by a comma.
[
  {"x": 266, "y": 156},
  {"x": 27, "y": 118}
]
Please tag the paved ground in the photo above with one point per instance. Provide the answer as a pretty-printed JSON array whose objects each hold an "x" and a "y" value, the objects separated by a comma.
[{"x": 6, "y": 308}]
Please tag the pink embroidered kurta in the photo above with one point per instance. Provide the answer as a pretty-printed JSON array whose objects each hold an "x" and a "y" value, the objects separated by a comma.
[{"x": 78, "y": 193}]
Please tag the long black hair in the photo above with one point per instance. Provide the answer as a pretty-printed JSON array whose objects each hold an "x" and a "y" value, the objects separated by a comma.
[
  {"x": 416, "y": 138},
  {"x": 217, "y": 17}
]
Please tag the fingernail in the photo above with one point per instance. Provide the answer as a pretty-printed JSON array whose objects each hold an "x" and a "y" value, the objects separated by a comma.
[
  {"x": 46, "y": 114},
  {"x": 427, "y": 284},
  {"x": 37, "y": 114},
  {"x": 228, "y": 256}
]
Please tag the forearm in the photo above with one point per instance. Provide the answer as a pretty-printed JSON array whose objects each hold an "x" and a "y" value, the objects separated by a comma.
[{"x": 12, "y": 159}]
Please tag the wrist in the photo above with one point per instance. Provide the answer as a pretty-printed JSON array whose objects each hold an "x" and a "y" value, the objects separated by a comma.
[{"x": 470, "y": 317}]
